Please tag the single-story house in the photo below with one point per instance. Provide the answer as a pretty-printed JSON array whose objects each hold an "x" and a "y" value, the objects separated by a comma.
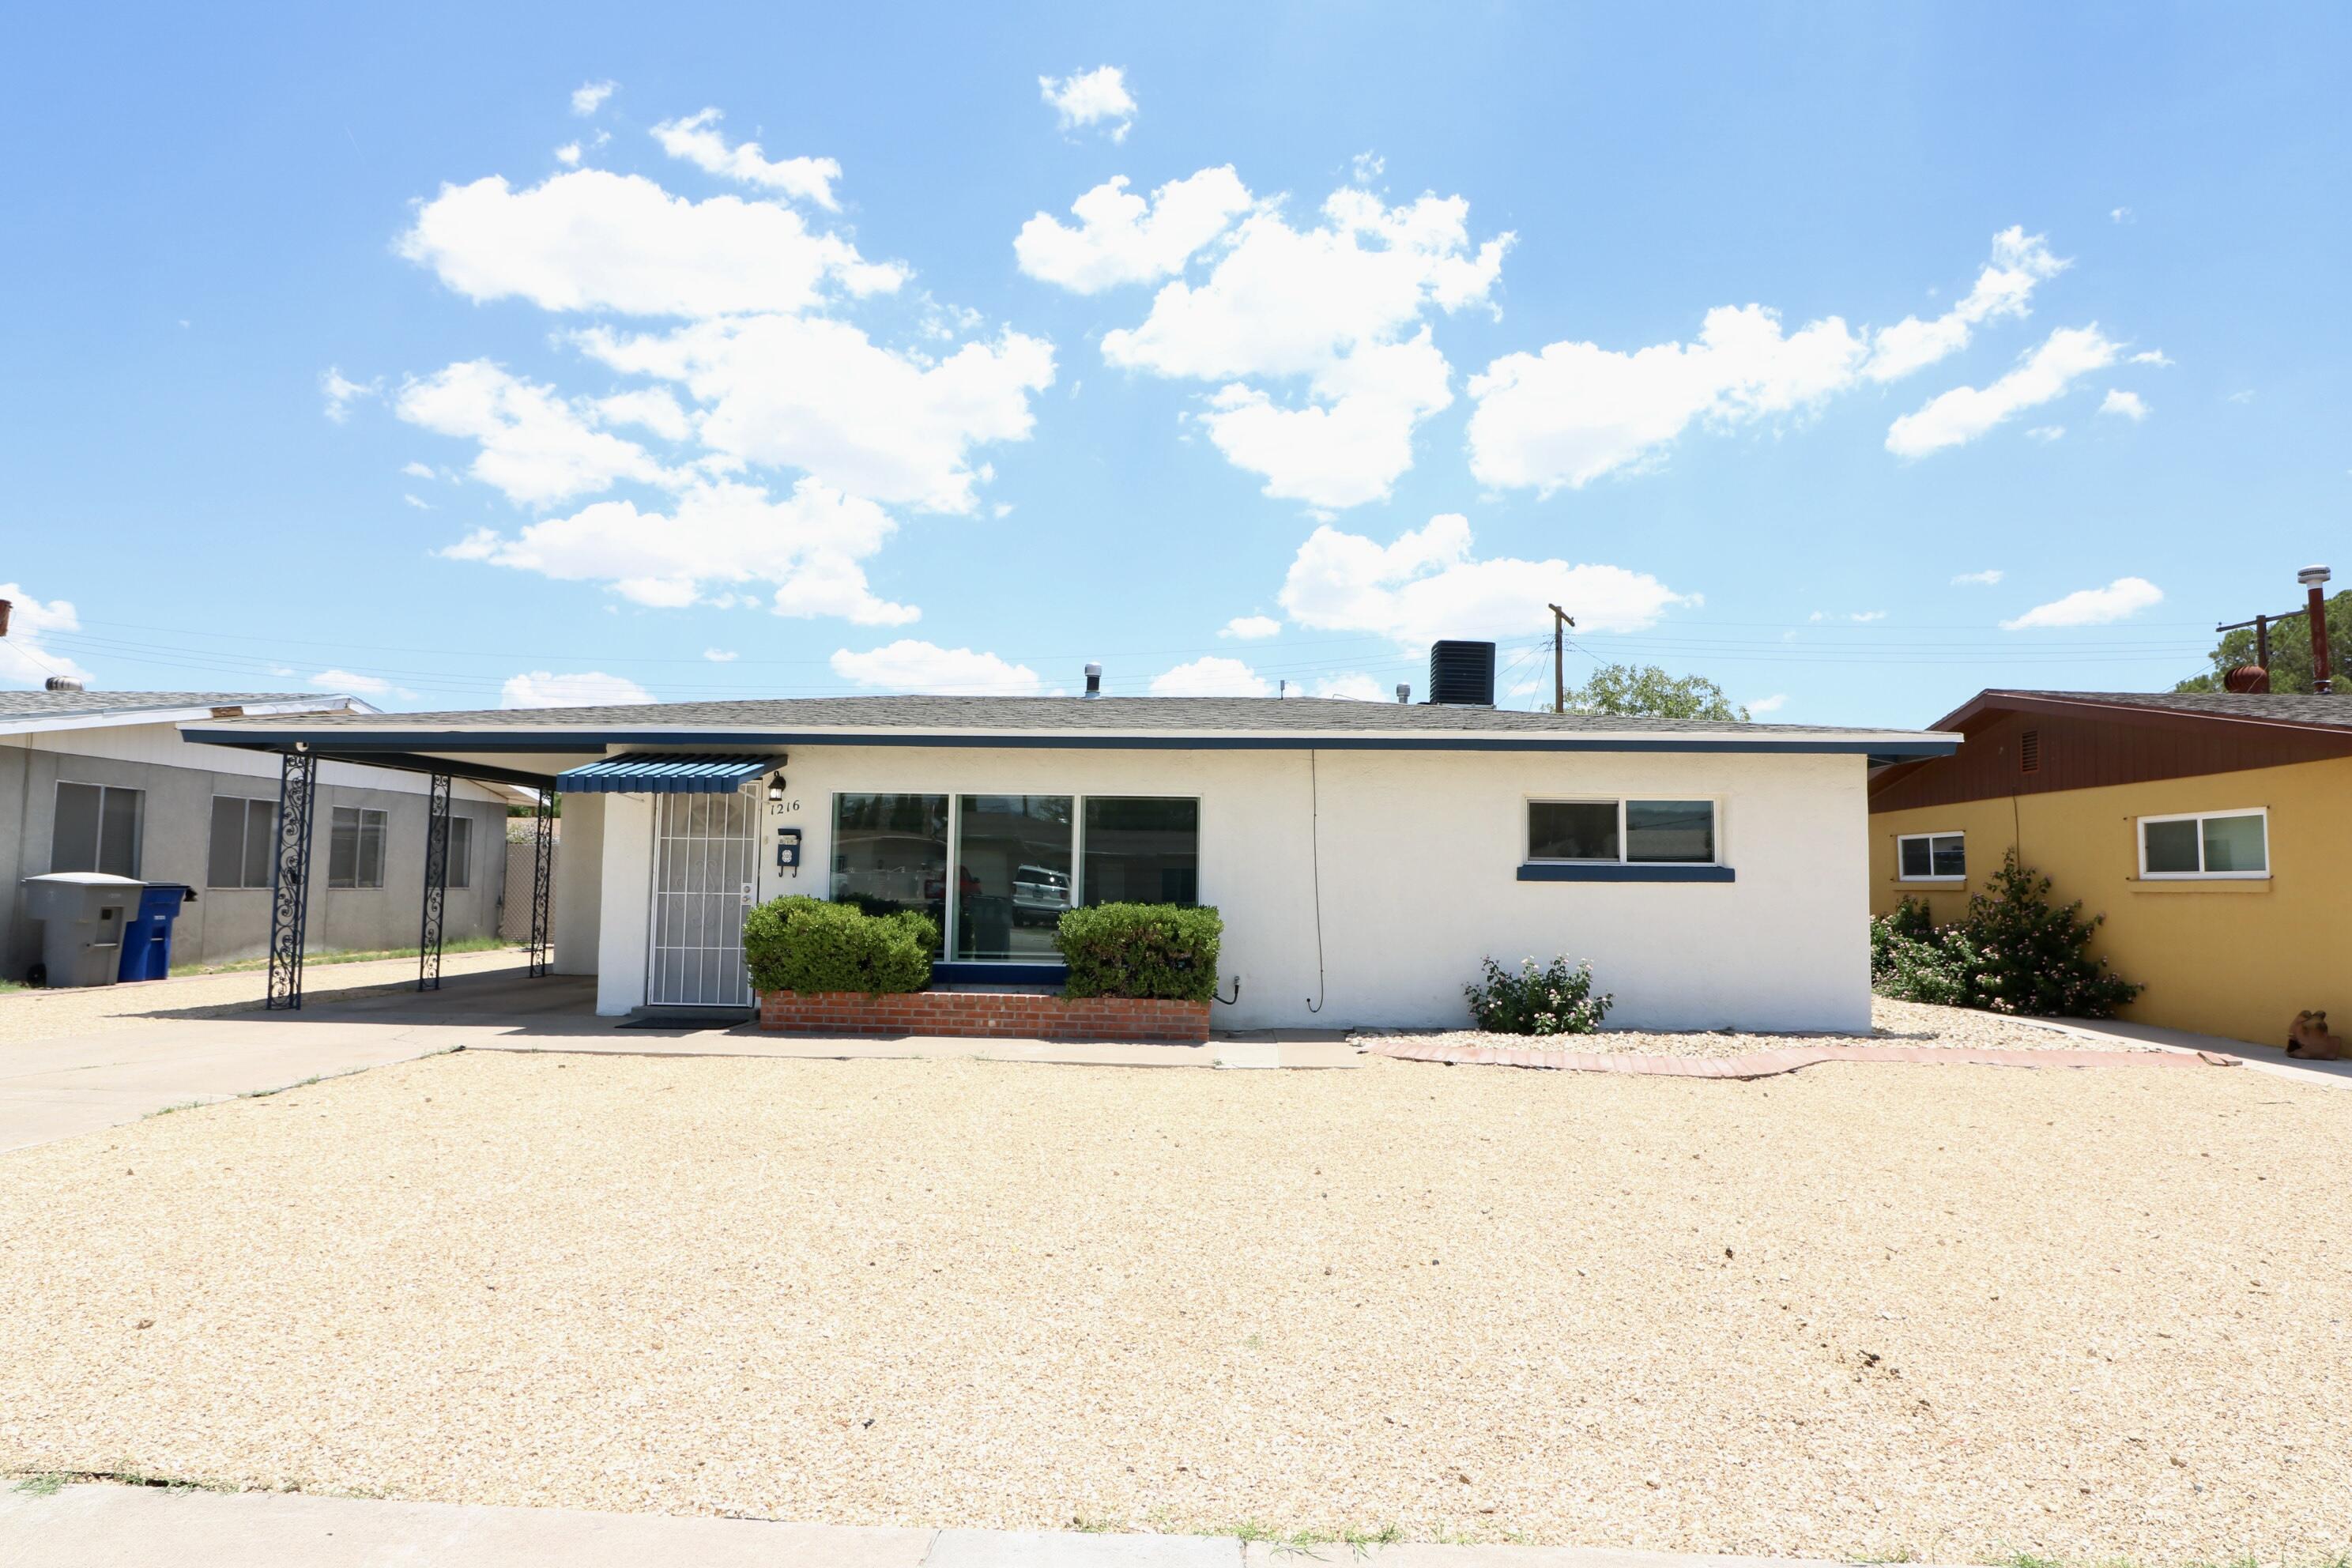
[
  {"x": 1366, "y": 856},
  {"x": 101, "y": 781},
  {"x": 2209, "y": 828}
]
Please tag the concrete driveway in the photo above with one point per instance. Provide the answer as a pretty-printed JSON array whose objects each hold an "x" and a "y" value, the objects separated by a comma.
[{"x": 80, "y": 1083}]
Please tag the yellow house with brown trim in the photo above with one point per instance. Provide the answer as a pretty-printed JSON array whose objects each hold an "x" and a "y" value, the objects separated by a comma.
[{"x": 2213, "y": 830}]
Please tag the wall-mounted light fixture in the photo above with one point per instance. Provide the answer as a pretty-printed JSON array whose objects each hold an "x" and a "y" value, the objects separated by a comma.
[{"x": 776, "y": 789}]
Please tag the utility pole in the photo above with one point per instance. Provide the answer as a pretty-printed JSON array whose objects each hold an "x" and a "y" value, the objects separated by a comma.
[{"x": 1561, "y": 621}]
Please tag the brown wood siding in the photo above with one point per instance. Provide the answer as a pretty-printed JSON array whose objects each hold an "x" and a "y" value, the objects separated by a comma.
[{"x": 2078, "y": 752}]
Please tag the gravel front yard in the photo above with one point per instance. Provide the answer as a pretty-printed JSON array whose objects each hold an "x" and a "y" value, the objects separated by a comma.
[
  {"x": 1953, "y": 1312},
  {"x": 1892, "y": 1024}
]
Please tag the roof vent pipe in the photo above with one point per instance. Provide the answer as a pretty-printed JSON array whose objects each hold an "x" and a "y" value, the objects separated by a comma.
[
  {"x": 2313, "y": 578},
  {"x": 1405, "y": 691},
  {"x": 1094, "y": 680},
  {"x": 62, "y": 683}
]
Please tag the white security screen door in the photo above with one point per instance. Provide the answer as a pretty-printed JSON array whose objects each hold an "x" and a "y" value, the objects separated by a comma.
[{"x": 703, "y": 882}]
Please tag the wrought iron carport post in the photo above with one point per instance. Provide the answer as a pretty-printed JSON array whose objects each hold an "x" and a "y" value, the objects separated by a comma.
[
  {"x": 436, "y": 883},
  {"x": 289, "y": 877},
  {"x": 542, "y": 878}
]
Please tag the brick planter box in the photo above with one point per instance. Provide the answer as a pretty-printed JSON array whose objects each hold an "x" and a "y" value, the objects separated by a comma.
[{"x": 986, "y": 1014}]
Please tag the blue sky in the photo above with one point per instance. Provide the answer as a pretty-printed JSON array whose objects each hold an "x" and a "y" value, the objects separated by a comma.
[{"x": 371, "y": 351}]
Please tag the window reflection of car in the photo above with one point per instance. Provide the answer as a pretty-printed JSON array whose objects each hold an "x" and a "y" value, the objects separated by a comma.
[
  {"x": 935, "y": 885},
  {"x": 1040, "y": 894}
]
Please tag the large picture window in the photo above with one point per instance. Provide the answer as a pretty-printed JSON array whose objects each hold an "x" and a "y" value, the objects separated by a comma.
[
  {"x": 355, "y": 848},
  {"x": 2206, "y": 845},
  {"x": 1623, "y": 832},
  {"x": 244, "y": 832},
  {"x": 1020, "y": 862},
  {"x": 890, "y": 853},
  {"x": 97, "y": 829}
]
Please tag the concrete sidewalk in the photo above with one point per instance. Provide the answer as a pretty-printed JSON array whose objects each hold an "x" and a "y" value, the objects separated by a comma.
[
  {"x": 2103, "y": 1031},
  {"x": 104, "y": 1526}
]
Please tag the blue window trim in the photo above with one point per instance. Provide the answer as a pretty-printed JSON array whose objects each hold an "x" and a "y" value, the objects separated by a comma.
[
  {"x": 957, "y": 973},
  {"x": 1620, "y": 872}
]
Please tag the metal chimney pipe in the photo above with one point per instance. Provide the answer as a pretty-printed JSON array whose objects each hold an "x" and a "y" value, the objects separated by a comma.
[
  {"x": 1404, "y": 692},
  {"x": 2312, "y": 578},
  {"x": 1094, "y": 680}
]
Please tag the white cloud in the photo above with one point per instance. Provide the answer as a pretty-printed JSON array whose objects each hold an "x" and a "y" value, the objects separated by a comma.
[
  {"x": 2119, "y": 215},
  {"x": 649, "y": 408},
  {"x": 419, "y": 502},
  {"x": 345, "y": 680},
  {"x": 1426, "y": 586},
  {"x": 419, "y": 471},
  {"x": 340, "y": 392},
  {"x": 1866, "y": 616},
  {"x": 925, "y": 668},
  {"x": 1772, "y": 704},
  {"x": 1965, "y": 413},
  {"x": 589, "y": 689},
  {"x": 590, "y": 96},
  {"x": 25, "y": 658},
  {"x": 2045, "y": 434},
  {"x": 2245, "y": 396},
  {"x": 1212, "y": 676},
  {"x": 1354, "y": 687},
  {"x": 818, "y": 394},
  {"x": 696, "y": 140},
  {"x": 2130, "y": 405},
  {"x": 1124, "y": 239},
  {"x": 1984, "y": 579},
  {"x": 1574, "y": 412},
  {"x": 535, "y": 447},
  {"x": 1337, "y": 310},
  {"x": 2091, "y": 606},
  {"x": 568, "y": 155},
  {"x": 2156, "y": 357},
  {"x": 716, "y": 536},
  {"x": 1250, "y": 627},
  {"x": 1366, "y": 167},
  {"x": 1098, "y": 97},
  {"x": 591, "y": 240},
  {"x": 721, "y": 655}
]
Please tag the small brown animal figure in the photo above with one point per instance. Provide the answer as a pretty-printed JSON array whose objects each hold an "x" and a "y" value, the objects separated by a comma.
[{"x": 2308, "y": 1038}]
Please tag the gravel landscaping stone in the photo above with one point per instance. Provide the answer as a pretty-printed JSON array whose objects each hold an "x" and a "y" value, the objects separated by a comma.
[
  {"x": 1860, "y": 1311},
  {"x": 1892, "y": 1023}
]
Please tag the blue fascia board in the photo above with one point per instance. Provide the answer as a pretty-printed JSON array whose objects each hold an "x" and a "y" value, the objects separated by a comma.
[
  {"x": 1619, "y": 872},
  {"x": 597, "y": 740}
]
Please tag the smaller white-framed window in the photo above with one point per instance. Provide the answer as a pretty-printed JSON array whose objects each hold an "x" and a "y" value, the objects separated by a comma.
[
  {"x": 1931, "y": 858},
  {"x": 1621, "y": 831},
  {"x": 2206, "y": 845}
]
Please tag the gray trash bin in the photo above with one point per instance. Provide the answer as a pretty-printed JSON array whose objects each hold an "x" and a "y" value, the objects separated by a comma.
[{"x": 82, "y": 916}]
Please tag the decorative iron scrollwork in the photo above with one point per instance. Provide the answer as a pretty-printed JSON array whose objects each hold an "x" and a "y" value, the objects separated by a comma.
[
  {"x": 289, "y": 879},
  {"x": 436, "y": 883},
  {"x": 542, "y": 885}
]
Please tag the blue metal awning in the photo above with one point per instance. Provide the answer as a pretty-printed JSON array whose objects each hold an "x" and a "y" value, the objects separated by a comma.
[{"x": 656, "y": 772}]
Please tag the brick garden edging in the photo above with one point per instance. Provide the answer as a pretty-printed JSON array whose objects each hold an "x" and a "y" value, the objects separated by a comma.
[
  {"x": 1766, "y": 1063},
  {"x": 986, "y": 1015}
]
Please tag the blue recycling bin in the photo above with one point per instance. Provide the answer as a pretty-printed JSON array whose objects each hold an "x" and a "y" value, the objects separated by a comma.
[{"x": 147, "y": 938}]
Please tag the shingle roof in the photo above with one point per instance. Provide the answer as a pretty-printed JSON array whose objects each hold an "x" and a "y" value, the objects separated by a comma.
[
  {"x": 1174, "y": 715},
  {"x": 2333, "y": 711},
  {"x": 90, "y": 704}
]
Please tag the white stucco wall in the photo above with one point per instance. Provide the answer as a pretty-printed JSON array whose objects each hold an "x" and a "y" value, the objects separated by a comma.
[
  {"x": 1419, "y": 856},
  {"x": 578, "y": 894}
]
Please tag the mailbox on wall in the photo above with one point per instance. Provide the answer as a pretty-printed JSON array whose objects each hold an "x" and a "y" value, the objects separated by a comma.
[{"x": 788, "y": 849}]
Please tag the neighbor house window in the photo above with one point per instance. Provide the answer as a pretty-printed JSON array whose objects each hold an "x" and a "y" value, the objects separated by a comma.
[
  {"x": 1623, "y": 832},
  {"x": 2206, "y": 844},
  {"x": 1931, "y": 858},
  {"x": 890, "y": 853},
  {"x": 245, "y": 834},
  {"x": 97, "y": 830},
  {"x": 461, "y": 851},
  {"x": 355, "y": 848}
]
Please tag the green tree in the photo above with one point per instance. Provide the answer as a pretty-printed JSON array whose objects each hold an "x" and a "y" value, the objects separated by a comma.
[
  {"x": 1649, "y": 692},
  {"x": 2290, "y": 651}
]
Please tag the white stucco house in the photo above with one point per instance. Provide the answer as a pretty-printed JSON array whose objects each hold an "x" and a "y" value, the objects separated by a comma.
[{"x": 1366, "y": 857}]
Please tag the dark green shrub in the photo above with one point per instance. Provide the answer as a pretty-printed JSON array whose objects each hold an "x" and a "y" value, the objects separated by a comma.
[
  {"x": 1164, "y": 951},
  {"x": 2012, "y": 953},
  {"x": 1552, "y": 999},
  {"x": 809, "y": 945}
]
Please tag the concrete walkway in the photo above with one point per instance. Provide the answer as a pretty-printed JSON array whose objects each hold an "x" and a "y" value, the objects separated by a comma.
[
  {"x": 103, "y": 1526},
  {"x": 2107, "y": 1031}
]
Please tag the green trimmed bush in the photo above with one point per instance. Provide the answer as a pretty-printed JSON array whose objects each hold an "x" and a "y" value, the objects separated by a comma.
[
  {"x": 810, "y": 946},
  {"x": 1167, "y": 952},
  {"x": 2013, "y": 951}
]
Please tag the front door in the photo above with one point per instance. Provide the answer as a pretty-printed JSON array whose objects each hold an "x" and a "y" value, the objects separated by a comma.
[{"x": 703, "y": 877}]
